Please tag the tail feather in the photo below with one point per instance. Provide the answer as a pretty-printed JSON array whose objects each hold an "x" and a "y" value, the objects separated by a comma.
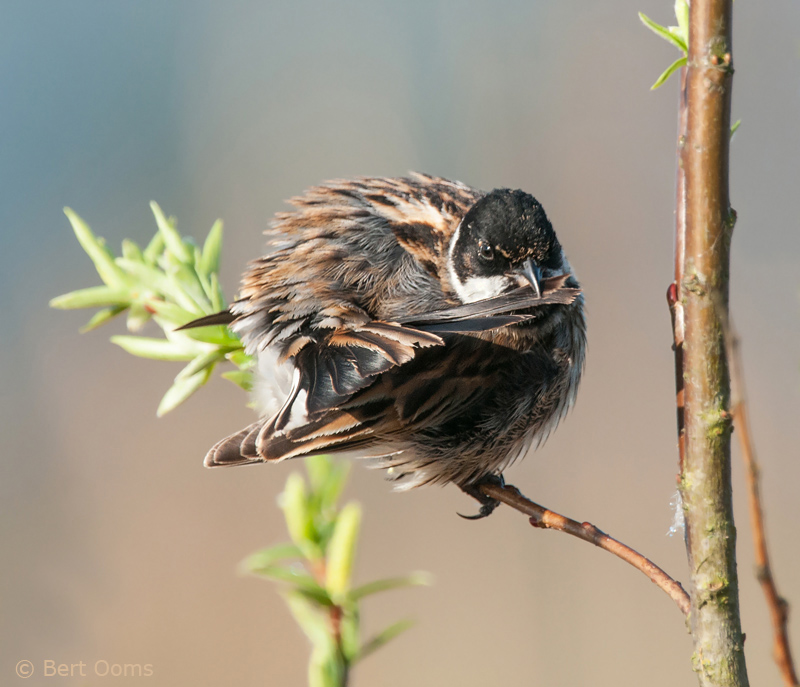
[
  {"x": 260, "y": 443},
  {"x": 230, "y": 451}
]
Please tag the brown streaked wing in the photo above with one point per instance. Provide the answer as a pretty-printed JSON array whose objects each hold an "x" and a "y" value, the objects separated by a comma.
[
  {"x": 396, "y": 405},
  {"x": 344, "y": 361}
]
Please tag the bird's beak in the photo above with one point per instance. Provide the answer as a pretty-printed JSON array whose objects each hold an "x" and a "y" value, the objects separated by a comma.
[{"x": 532, "y": 275}]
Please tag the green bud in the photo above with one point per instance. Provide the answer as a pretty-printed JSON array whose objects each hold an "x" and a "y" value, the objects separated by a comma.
[
  {"x": 131, "y": 251},
  {"x": 212, "y": 250},
  {"x": 299, "y": 519},
  {"x": 241, "y": 378},
  {"x": 181, "y": 390},
  {"x": 154, "y": 249},
  {"x": 156, "y": 349},
  {"x": 101, "y": 317},
  {"x": 682, "y": 15},
  {"x": 172, "y": 239},
  {"x": 341, "y": 551},
  {"x": 95, "y": 248},
  {"x": 93, "y": 297}
]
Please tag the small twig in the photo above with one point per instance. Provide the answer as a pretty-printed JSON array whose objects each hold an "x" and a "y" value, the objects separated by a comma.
[
  {"x": 674, "y": 291},
  {"x": 547, "y": 519},
  {"x": 778, "y": 607}
]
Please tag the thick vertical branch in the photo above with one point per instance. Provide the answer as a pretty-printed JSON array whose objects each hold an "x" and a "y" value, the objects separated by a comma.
[{"x": 706, "y": 479}]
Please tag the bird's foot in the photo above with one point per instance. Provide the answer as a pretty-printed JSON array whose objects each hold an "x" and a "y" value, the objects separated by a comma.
[{"x": 488, "y": 504}]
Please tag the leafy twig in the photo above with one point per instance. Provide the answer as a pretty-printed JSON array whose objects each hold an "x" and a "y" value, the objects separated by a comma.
[
  {"x": 172, "y": 281},
  {"x": 676, "y": 35},
  {"x": 317, "y": 569}
]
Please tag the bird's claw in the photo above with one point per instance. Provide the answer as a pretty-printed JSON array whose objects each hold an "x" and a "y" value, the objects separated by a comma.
[
  {"x": 485, "y": 511},
  {"x": 488, "y": 504}
]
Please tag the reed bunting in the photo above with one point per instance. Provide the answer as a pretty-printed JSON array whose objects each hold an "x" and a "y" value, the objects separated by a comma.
[{"x": 432, "y": 327}]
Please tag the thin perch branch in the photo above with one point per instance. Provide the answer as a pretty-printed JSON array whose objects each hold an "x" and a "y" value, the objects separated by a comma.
[
  {"x": 547, "y": 519},
  {"x": 778, "y": 607}
]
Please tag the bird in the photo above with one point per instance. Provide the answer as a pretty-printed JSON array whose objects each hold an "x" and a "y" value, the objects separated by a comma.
[{"x": 433, "y": 328}]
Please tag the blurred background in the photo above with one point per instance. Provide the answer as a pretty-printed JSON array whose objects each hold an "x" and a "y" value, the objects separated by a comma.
[{"x": 118, "y": 545}]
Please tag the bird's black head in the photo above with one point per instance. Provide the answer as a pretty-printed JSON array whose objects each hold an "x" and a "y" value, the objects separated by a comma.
[{"x": 504, "y": 240}]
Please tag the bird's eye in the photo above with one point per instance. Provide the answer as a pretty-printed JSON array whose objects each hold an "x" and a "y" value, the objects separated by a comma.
[{"x": 485, "y": 250}]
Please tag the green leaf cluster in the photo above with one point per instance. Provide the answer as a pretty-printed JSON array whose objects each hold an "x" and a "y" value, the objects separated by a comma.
[
  {"x": 316, "y": 569},
  {"x": 677, "y": 35},
  {"x": 171, "y": 281}
]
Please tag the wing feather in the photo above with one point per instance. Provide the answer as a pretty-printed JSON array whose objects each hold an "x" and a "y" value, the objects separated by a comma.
[{"x": 345, "y": 361}]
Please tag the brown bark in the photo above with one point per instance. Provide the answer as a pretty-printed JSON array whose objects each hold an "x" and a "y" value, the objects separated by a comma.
[{"x": 705, "y": 477}]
